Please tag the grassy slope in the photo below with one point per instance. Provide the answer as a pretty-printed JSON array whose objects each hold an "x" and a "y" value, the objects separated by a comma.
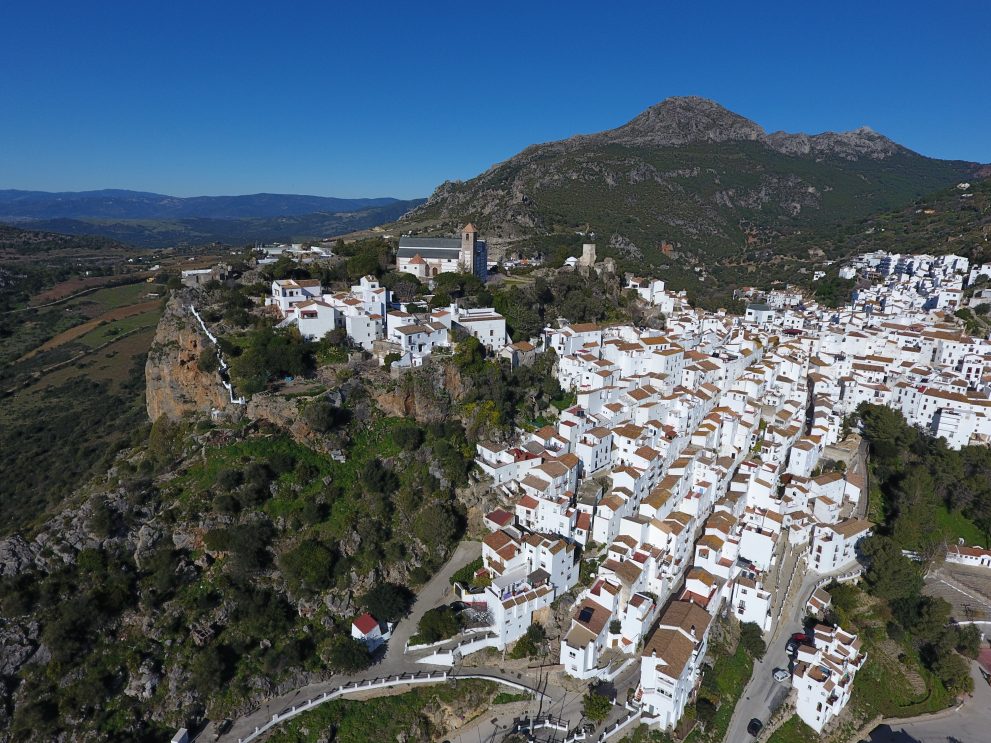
[{"x": 955, "y": 525}]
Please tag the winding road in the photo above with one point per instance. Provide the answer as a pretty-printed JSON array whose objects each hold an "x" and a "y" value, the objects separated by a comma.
[
  {"x": 556, "y": 701},
  {"x": 395, "y": 660}
]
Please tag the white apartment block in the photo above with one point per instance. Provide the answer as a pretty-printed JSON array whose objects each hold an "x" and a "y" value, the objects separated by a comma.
[
  {"x": 823, "y": 675},
  {"x": 287, "y": 293},
  {"x": 671, "y": 663},
  {"x": 834, "y": 546}
]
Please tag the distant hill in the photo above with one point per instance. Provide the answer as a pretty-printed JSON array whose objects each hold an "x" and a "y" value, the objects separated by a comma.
[
  {"x": 16, "y": 206},
  {"x": 160, "y": 233},
  {"x": 688, "y": 172}
]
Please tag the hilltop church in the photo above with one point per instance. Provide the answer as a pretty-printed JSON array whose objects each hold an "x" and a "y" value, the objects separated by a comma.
[{"x": 426, "y": 257}]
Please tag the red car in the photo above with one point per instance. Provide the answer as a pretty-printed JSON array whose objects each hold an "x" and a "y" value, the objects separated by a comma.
[{"x": 801, "y": 637}]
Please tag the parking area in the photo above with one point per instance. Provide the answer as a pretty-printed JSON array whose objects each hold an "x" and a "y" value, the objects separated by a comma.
[{"x": 967, "y": 589}]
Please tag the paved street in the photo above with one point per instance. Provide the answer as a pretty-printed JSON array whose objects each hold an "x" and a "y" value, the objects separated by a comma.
[
  {"x": 970, "y": 724},
  {"x": 763, "y": 693}
]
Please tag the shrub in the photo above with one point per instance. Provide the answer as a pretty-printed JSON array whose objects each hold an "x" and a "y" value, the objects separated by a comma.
[
  {"x": 387, "y": 602},
  {"x": 466, "y": 575},
  {"x": 529, "y": 645},
  {"x": 345, "y": 653},
  {"x": 438, "y": 624},
  {"x": 308, "y": 567},
  {"x": 324, "y": 417},
  {"x": 596, "y": 707}
]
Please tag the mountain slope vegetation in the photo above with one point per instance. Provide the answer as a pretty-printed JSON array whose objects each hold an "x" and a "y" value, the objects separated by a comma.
[{"x": 708, "y": 185}]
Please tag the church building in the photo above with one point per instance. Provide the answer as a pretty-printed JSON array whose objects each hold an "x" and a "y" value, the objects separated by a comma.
[{"x": 426, "y": 257}]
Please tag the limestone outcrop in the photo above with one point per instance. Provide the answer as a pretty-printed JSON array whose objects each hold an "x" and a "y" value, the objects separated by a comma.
[{"x": 174, "y": 383}]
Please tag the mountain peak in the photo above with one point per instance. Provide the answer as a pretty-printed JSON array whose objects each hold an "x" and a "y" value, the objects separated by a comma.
[{"x": 684, "y": 120}]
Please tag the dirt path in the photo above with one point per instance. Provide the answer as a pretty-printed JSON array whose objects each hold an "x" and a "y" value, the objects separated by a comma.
[{"x": 118, "y": 313}]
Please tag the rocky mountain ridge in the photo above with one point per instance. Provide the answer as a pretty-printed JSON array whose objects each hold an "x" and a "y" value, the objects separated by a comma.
[
  {"x": 680, "y": 121},
  {"x": 691, "y": 175}
]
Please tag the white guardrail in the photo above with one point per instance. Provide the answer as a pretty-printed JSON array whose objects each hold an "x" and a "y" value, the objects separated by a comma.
[
  {"x": 401, "y": 679},
  {"x": 220, "y": 357}
]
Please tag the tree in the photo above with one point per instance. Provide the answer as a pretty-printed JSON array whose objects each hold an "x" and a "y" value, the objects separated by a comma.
[
  {"x": 408, "y": 436},
  {"x": 438, "y": 624},
  {"x": 211, "y": 668},
  {"x": 954, "y": 672},
  {"x": 932, "y": 616},
  {"x": 752, "y": 639},
  {"x": 377, "y": 478},
  {"x": 470, "y": 355},
  {"x": 436, "y": 525},
  {"x": 596, "y": 707},
  {"x": 102, "y": 519},
  {"x": 208, "y": 362},
  {"x": 890, "y": 575},
  {"x": 440, "y": 299},
  {"x": 229, "y": 479},
  {"x": 387, "y": 602},
  {"x": 705, "y": 712},
  {"x": 323, "y": 417},
  {"x": 886, "y": 431},
  {"x": 404, "y": 286},
  {"x": 308, "y": 567},
  {"x": 345, "y": 653},
  {"x": 269, "y": 354},
  {"x": 916, "y": 502},
  {"x": 968, "y": 640}
]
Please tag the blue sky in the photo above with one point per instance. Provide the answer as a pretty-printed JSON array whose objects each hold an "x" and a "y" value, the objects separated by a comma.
[{"x": 374, "y": 99}]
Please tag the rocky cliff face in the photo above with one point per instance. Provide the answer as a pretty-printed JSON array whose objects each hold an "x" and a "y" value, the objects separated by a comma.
[
  {"x": 174, "y": 383},
  {"x": 424, "y": 394}
]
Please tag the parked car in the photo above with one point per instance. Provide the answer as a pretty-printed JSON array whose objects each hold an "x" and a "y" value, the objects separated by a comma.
[
  {"x": 801, "y": 637},
  {"x": 791, "y": 647},
  {"x": 780, "y": 674},
  {"x": 755, "y": 726}
]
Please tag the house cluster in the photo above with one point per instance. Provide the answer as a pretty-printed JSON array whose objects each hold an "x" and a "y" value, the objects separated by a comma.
[
  {"x": 372, "y": 320},
  {"x": 691, "y": 459},
  {"x": 652, "y": 292},
  {"x": 823, "y": 674},
  {"x": 694, "y": 457},
  {"x": 269, "y": 254},
  {"x": 896, "y": 344},
  {"x": 360, "y": 312},
  {"x": 909, "y": 281},
  {"x": 416, "y": 335},
  {"x": 976, "y": 557}
]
